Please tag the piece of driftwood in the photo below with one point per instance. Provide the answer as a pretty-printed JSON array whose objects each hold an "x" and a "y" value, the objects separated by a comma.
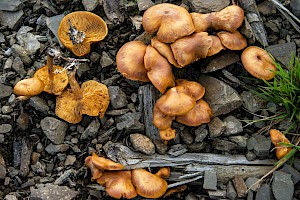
[
  {"x": 132, "y": 160},
  {"x": 147, "y": 97},
  {"x": 255, "y": 21}
]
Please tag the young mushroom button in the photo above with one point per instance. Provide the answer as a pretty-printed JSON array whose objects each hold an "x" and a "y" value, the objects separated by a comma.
[{"x": 78, "y": 30}]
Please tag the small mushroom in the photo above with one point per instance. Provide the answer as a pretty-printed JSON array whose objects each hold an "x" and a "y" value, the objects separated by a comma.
[
  {"x": 118, "y": 184},
  {"x": 232, "y": 40},
  {"x": 91, "y": 99},
  {"x": 165, "y": 50},
  {"x": 167, "y": 134},
  {"x": 191, "y": 48},
  {"x": 276, "y": 138},
  {"x": 163, "y": 172},
  {"x": 198, "y": 115},
  {"x": 195, "y": 89},
  {"x": 216, "y": 47},
  {"x": 78, "y": 30},
  {"x": 130, "y": 61},
  {"x": 159, "y": 70},
  {"x": 29, "y": 87},
  {"x": 103, "y": 163},
  {"x": 174, "y": 102},
  {"x": 148, "y": 185},
  {"x": 175, "y": 190},
  {"x": 160, "y": 120},
  {"x": 258, "y": 63},
  {"x": 170, "y": 21},
  {"x": 96, "y": 173}
]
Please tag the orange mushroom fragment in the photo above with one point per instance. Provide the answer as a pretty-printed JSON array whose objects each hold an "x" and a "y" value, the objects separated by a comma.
[
  {"x": 195, "y": 89},
  {"x": 169, "y": 21},
  {"x": 191, "y": 48},
  {"x": 160, "y": 120},
  {"x": 174, "y": 102},
  {"x": 216, "y": 46},
  {"x": 175, "y": 190},
  {"x": 167, "y": 134},
  {"x": 91, "y": 99},
  {"x": 118, "y": 184},
  {"x": 165, "y": 50},
  {"x": 78, "y": 30},
  {"x": 148, "y": 185},
  {"x": 232, "y": 40},
  {"x": 29, "y": 87},
  {"x": 130, "y": 61},
  {"x": 258, "y": 63},
  {"x": 276, "y": 138},
  {"x": 96, "y": 173},
  {"x": 198, "y": 115},
  {"x": 159, "y": 70}
]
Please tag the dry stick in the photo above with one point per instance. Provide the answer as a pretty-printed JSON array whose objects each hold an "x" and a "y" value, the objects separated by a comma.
[
  {"x": 76, "y": 90},
  {"x": 50, "y": 71}
]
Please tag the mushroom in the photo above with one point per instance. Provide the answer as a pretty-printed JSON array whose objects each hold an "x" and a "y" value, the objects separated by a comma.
[
  {"x": 228, "y": 19},
  {"x": 91, "y": 99},
  {"x": 118, "y": 184},
  {"x": 175, "y": 102},
  {"x": 216, "y": 47},
  {"x": 200, "y": 114},
  {"x": 78, "y": 30},
  {"x": 148, "y": 185},
  {"x": 170, "y": 21},
  {"x": 96, "y": 173},
  {"x": 102, "y": 163},
  {"x": 191, "y": 48},
  {"x": 167, "y": 134},
  {"x": 175, "y": 190},
  {"x": 160, "y": 120},
  {"x": 163, "y": 172},
  {"x": 195, "y": 89},
  {"x": 54, "y": 83},
  {"x": 232, "y": 40},
  {"x": 276, "y": 138},
  {"x": 130, "y": 61},
  {"x": 159, "y": 70},
  {"x": 258, "y": 63},
  {"x": 165, "y": 50},
  {"x": 28, "y": 87}
]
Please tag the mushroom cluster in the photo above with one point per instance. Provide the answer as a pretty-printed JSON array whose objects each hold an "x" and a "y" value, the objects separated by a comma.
[
  {"x": 182, "y": 103},
  {"x": 120, "y": 183}
]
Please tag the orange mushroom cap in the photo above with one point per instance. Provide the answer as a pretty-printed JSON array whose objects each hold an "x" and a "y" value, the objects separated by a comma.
[
  {"x": 29, "y": 87},
  {"x": 148, "y": 185},
  {"x": 105, "y": 164},
  {"x": 118, "y": 184},
  {"x": 191, "y": 48},
  {"x": 175, "y": 190},
  {"x": 60, "y": 80},
  {"x": 159, "y": 70},
  {"x": 170, "y": 21},
  {"x": 95, "y": 99},
  {"x": 195, "y": 88},
  {"x": 160, "y": 120},
  {"x": 163, "y": 172},
  {"x": 232, "y": 40},
  {"x": 130, "y": 61},
  {"x": 96, "y": 173},
  {"x": 93, "y": 26},
  {"x": 200, "y": 114},
  {"x": 167, "y": 134},
  {"x": 216, "y": 47},
  {"x": 258, "y": 63},
  {"x": 174, "y": 102},
  {"x": 202, "y": 22},
  {"x": 276, "y": 138}
]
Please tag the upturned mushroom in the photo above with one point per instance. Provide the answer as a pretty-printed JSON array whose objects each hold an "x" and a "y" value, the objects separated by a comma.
[
  {"x": 29, "y": 87},
  {"x": 258, "y": 63},
  {"x": 130, "y": 61},
  {"x": 232, "y": 40},
  {"x": 91, "y": 99},
  {"x": 276, "y": 138},
  {"x": 148, "y": 185},
  {"x": 118, "y": 184},
  {"x": 159, "y": 70},
  {"x": 78, "y": 30},
  {"x": 170, "y": 21}
]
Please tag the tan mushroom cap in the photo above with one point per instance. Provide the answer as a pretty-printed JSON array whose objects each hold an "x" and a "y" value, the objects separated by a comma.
[
  {"x": 216, "y": 47},
  {"x": 159, "y": 70},
  {"x": 95, "y": 99},
  {"x": 276, "y": 137},
  {"x": 165, "y": 50},
  {"x": 200, "y": 114},
  {"x": 66, "y": 107},
  {"x": 167, "y": 134},
  {"x": 29, "y": 87},
  {"x": 118, "y": 184},
  {"x": 232, "y": 40},
  {"x": 191, "y": 48},
  {"x": 92, "y": 25},
  {"x": 96, "y": 173},
  {"x": 60, "y": 79},
  {"x": 160, "y": 120},
  {"x": 105, "y": 164},
  {"x": 174, "y": 102},
  {"x": 258, "y": 63},
  {"x": 163, "y": 172},
  {"x": 130, "y": 61},
  {"x": 195, "y": 89},
  {"x": 170, "y": 21},
  {"x": 148, "y": 185},
  {"x": 202, "y": 22}
]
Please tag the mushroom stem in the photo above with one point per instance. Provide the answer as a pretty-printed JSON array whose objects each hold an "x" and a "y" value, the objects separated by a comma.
[
  {"x": 76, "y": 90},
  {"x": 50, "y": 71}
]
